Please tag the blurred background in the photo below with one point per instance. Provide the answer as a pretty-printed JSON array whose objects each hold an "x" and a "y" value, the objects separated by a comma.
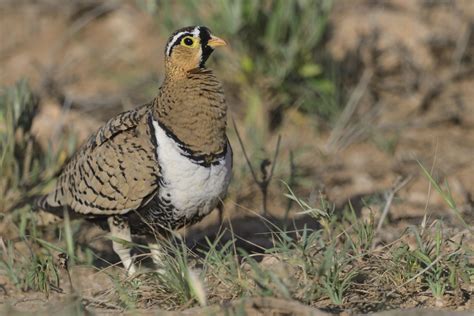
[
  {"x": 348, "y": 108},
  {"x": 361, "y": 93}
]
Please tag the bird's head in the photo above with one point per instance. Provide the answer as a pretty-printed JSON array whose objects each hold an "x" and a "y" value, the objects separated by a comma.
[{"x": 190, "y": 47}]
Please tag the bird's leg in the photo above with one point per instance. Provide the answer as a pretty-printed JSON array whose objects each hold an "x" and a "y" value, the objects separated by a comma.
[
  {"x": 120, "y": 229},
  {"x": 157, "y": 254}
]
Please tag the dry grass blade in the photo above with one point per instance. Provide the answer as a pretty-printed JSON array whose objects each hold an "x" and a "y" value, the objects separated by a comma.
[
  {"x": 400, "y": 183},
  {"x": 343, "y": 121},
  {"x": 445, "y": 194}
]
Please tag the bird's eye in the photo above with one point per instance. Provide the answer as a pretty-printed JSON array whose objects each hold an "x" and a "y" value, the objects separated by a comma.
[{"x": 188, "y": 41}]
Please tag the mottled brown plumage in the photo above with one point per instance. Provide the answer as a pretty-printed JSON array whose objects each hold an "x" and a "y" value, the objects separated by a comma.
[{"x": 131, "y": 167}]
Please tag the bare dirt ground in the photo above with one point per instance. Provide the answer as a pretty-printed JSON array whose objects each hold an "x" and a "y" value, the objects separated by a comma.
[{"x": 407, "y": 65}]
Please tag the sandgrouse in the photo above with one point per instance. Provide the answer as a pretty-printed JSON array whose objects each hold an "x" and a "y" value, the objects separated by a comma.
[{"x": 160, "y": 166}]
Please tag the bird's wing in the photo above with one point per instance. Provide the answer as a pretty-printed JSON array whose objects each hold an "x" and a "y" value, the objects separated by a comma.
[
  {"x": 120, "y": 123},
  {"x": 115, "y": 172}
]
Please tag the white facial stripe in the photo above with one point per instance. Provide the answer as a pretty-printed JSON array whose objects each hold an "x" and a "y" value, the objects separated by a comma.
[
  {"x": 195, "y": 33},
  {"x": 173, "y": 41}
]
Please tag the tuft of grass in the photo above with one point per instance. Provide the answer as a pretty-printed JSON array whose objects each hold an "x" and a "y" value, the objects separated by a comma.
[
  {"x": 175, "y": 284},
  {"x": 221, "y": 265},
  {"x": 35, "y": 270},
  {"x": 179, "y": 278},
  {"x": 18, "y": 164},
  {"x": 24, "y": 166},
  {"x": 41, "y": 274}
]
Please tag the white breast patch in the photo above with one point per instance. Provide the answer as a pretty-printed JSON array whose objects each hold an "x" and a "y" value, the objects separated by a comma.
[{"x": 193, "y": 189}]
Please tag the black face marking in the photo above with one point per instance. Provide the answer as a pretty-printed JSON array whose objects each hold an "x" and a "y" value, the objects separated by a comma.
[{"x": 205, "y": 36}]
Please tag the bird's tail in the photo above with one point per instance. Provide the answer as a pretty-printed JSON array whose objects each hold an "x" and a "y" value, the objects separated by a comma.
[{"x": 46, "y": 214}]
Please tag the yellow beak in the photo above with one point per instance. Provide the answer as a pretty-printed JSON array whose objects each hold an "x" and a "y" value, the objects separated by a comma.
[{"x": 216, "y": 41}]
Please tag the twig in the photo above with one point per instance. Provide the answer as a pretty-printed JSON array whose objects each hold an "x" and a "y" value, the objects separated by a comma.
[
  {"x": 254, "y": 176},
  {"x": 399, "y": 184},
  {"x": 275, "y": 157},
  {"x": 266, "y": 177}
]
